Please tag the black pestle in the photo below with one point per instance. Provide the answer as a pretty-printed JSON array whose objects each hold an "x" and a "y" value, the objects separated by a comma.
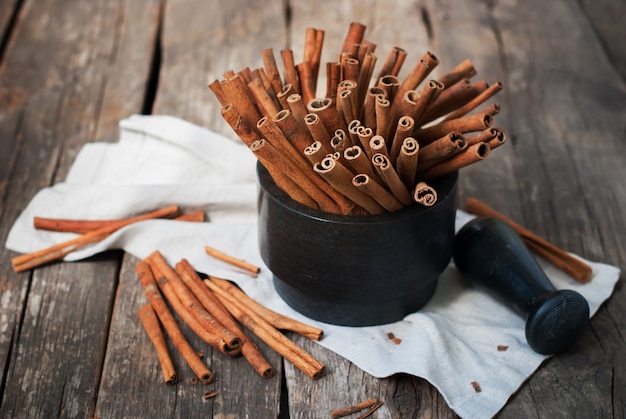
[{"x": 490, "y": 253}]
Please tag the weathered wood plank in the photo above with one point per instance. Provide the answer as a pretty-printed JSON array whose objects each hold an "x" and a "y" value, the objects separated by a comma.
[
  {"x": 55, "y": 70},
  {"x": 8, "y": 9},
  {"x": 198, "y": 44},
  {"x": 606, "y": 18}
]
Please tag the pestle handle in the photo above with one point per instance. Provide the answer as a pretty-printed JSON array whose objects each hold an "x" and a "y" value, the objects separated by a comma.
[{"x": 490, "y": 253}]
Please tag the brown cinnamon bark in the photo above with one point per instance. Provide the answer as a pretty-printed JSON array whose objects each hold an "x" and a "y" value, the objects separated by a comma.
[
  {"x": 465, "y": 124},
  {"x": 315, "y": 152},
  {"x": 393, "y": 62},
  {"x": 237, "y": 93},
  {"x": 364, "y": 183},
  {"x": 424, "y": 194},
  {"x": 333, "y": 77},
  {"x": 326, "y": 110},
  {"x": 239, "y": 263},
  {"x": 475, "y": 102},
  {"x": 32, "y": 260},
  {"x": 390, "y": 85},
  {"x": 271, "y": 69},
  {"x": 266, "y": 104},
  {"x": 355, "y": 34},
  {"x": 404, "y": 128},
  {"x": 407, "y": 162},
  {"x": 276, "y": 340},
  {"x": 383, "y": 116},
  {"x": 378, "y": 145},
  {"x": 277, "y": 320},
  {"x": 442, "y": 148},
  {"x": 341, "y": 179},
  {"x": 452, "y": 98},
  {"x": 471, "y": 154},
  {"x": 360, "y": 162},
  {"x": 317, "y": 129},
  {"x": 464, "y": 70},
  {"x": 418, "y": 74},
  {"x": 385, "y": 170},
  {"x": 146, "y": 278},
  {"x": 296, "y": 133},
  {"x": 348, "y": 410},
  {"x": 190, "y": 309},
  {"x": 291, "y": 74},
  {"x": 153, "y": 330},
  {"x": 211, "y": 303},
  {"x": 368, "y": 115}
]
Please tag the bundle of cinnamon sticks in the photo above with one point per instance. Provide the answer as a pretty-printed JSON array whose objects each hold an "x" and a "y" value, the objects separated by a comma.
[
  {"x": 369, "y": 145},
  {"x": 214, "y": 309}
]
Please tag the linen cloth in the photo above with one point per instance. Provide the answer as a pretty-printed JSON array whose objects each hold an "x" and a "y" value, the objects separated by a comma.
[{"x": 162, "y": 160}]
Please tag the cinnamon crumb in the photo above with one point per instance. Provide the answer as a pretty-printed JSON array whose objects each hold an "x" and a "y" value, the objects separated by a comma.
[
  {"x": 476, "y": 386},
  {"x": 502, "y": 348},
  {"x": 193, "y": 380},
  {"x": 393, "y": 338},
  {"x": 210, "y": 394}
]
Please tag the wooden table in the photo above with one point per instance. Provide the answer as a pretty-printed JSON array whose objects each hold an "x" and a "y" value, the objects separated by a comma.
[{"x": 71, "y": 344}]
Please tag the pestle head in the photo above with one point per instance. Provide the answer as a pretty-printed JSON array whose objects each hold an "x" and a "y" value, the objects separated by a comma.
[
  {"x": 490, "y": 253},
  {"x": 557, "y": 322}
]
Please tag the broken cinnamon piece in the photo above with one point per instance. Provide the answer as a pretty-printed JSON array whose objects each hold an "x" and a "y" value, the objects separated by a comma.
[
  {"x": 393, "y": 338},
  {"x": 348, "y": 410},
  {"x": 275, "y": 319},
  {"x": 153, "y": 330},
  {"x": 476, "y": 386},
  {"x": 217, "y": 254},
  {"x": 146, "y": 278},
  {"x": 57, "y": 251},
  {"x": 502, "y": 348},
  {"x": 210, "y": 394},
  {"x": 569, "y": 264}
]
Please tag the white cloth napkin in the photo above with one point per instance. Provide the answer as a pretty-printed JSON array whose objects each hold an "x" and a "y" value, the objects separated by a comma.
[{"x": 162, "y": 160}]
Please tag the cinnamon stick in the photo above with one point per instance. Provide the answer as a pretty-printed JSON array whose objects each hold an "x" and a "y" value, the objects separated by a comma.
[
  {"x": 327, "y": 112},
  {"x": 386, "y": 171},
  {"x": 383, "y": 115},
  {"x": 420, "y": 71},
  {"x": 291, "y": 74},
  {"x": 63, "y": 225},
  {"x": 368, "y": 114},
  {"x": 404, "y": 128},
  {"x": 465, "y": 124},
  {"x": 297, "y": 133},
  {"x": 315, "y": 152},
  {"x": 146, "y": 278},
  {"x": 277, "y": 320},
  {"x": 317, "y": 129},
  {"x": 237, "y": 93},
  {"x": 566, "y": 262},
  {"x": 360, "y": 162},
  {"x": 378, "y": 145},
  {"x": 242, "y": 264},
  {"x": 406, "y": 165},
  {"x": 471, "y": 154},
  {"x": 348, "y": 410},
  {"x": 190, "y": 309},
  {"x": 271, "y": 69},
  {"x": 393, "y": 62},
  {"x": 341, "y": 179},
  {"x": 386, "y": 200},
  {"x": 424, "y": 194},
  {"x": 442, "y": 148},
  {"x": 355, "y": 34},
  {"x": 475, "y": 102},
  {"x": 153, "y": 330},
  {"x": 452, "y": 98},
  {"x": 276, "y": 340},
  {"x": 464, "y": 70},
  {"x": 264, "y": 101},
  {"x": 333, "y": 77},
  {"x": 32, "y": 260},
  {"x": 390, "y": 85},
  {"x": 278, "y": 163},
  {"x": 211, "y": 303}
]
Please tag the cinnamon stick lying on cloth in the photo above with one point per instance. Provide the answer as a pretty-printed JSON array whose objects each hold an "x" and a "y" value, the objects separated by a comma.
[
  {"x": 569, "y": 264},
  {"x": 55, "y": 252}
]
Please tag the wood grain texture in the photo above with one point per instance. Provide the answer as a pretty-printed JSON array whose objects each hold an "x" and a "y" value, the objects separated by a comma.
[
  {"x": 70, "y": 340},
  {"x": 54, "y": 72}
]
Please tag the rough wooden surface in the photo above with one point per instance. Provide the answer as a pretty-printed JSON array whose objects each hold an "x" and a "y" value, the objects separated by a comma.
[{"x": 71, "y": 344}]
